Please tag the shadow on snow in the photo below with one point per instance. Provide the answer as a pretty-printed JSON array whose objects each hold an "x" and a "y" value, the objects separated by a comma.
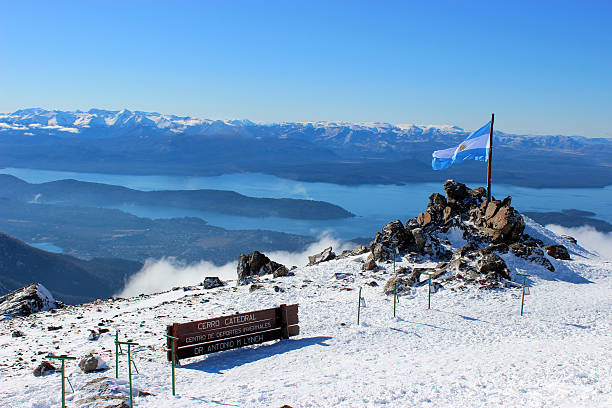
[{"x": 219, "y": 362}]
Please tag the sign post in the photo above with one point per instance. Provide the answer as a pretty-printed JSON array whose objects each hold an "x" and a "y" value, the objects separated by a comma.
[
  {"x": 130, "y": 344},
  {"x": 63, "y": 358},
  {"x": 524, "y": 275},
  {"x": 230, "y": 332},
  {"x": 174, "y": 340}
]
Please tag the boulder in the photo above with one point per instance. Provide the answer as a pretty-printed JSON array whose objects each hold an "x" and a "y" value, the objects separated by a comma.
[
  {"x": 557, "y": 252},
  {"x": 281, "y": 271},
  {"x": 254, "y": 264},
  {"x": 211, "y": 282},
  {"x": 369, "y": 264},
  {"x": 326, "y": 255},
  {"x": 44, "y": 368},
  {"x": 92, "y": 363},
  {"x": 419, "y": 239},
  {"x": 502, "y": 223},
  {"x": 27, "y": 300},
  {"x": 93, "y": 335}
]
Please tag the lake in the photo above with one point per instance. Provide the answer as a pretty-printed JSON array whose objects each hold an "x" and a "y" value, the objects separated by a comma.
[{"x": 374, "y": 205}]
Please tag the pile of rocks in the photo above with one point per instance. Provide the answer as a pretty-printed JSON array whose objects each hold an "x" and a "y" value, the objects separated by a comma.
[{"x": 488, "y": 227}]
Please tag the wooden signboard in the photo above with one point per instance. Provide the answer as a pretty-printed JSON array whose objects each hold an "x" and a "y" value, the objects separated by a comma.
[{"x": 233, "y": 331}]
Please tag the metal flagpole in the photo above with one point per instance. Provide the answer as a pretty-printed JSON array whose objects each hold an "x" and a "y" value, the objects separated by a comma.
[{"x": 489, "y": 160}]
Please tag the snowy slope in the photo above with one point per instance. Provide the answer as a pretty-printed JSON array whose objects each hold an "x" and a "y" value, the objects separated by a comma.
[{"x": 472, "y": 349}]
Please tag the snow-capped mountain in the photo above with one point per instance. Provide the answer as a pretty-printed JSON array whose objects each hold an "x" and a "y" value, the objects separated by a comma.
[{"x": 135, "y": 142}]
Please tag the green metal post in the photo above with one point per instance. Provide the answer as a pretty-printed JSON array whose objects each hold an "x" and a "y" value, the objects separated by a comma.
[
  {"x": 523, "y": 289},
  {"x": 63, "y": 386},
  {"x": 394, "y": 243},
  {"x": 130, "y": 373},
  {"x": 523, "y": 294},
  {"x": 429, "y": 293},
  {"x": 129, "y": 344},
  {"x": 63, "y": 358},
  {"x": 394, "y": 296},
  {"x": 117, "y": 354},
  {"x": 174, "y": 340},
  {"x": 359, "y": 308}
]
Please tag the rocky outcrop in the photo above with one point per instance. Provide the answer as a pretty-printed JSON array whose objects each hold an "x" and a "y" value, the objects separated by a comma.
[
  {"x": 490, "y": 228},
  {"x": 106, "y": 392},
  {"x": 27, "y": 300},
  {"x": 255, "y": 264},
  {"x": 326, "y": 255}
]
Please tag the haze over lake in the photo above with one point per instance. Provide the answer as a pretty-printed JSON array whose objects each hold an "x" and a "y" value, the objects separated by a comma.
[{"x": 374, "y": 205}]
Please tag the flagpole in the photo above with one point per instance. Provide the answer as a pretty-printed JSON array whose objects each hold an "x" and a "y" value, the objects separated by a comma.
[{"x": 489, "y": 160}]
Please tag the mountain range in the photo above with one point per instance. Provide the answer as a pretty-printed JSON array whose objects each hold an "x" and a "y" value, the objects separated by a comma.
[{"x": 135, "y": 142}]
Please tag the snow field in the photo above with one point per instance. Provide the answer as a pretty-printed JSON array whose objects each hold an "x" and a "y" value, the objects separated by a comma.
[{"x": 472, "y": 349}]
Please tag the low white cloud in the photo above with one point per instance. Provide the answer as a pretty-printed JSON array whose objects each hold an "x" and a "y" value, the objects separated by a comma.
[
  {"x": 587, "y": 237},
  {"x": 158, "y": 275}
]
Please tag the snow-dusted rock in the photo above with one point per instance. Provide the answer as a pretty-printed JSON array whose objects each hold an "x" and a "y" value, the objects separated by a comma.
[
  {"x": 27, "y": 300},
  {"x": 92, "y": 363},
  {"x": 44, "y": 368}
]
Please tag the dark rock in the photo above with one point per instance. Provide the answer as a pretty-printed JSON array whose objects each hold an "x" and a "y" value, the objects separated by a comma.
[
  {"x": 44, "y": 368},
  {"x": 372, "y": 283},
  {"x": 493, "y": 264},
  {"x": 93, "y": 335},
  {"x": 211, "y": 282},
  {"x": 254, "y": 264},
  {"x": 53, "y": 328},
  {"x": 326, "y": 255},
  {"x": 17, "y": 333},
  {"x": 343, "y": 275},
  {"x": 254, "y": 287},
  {"x": 557, "y": 252},
  {"x": 456, "y": 193}
]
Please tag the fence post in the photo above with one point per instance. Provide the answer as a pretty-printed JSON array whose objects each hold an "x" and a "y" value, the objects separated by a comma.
[
  {"x": 359, "y": 307},
  {"x": 524, "y": 275},
  {"x": 63, "y": 358},
  {"x": 129, "y": 344},
  {"x": 174, "y": 340}
]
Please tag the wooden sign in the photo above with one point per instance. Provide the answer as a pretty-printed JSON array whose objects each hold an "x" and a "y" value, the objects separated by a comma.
[{"x": 233, "y": 331}]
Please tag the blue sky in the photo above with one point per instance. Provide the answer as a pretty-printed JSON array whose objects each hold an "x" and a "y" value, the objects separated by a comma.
[{"x": 541, "y": 66}]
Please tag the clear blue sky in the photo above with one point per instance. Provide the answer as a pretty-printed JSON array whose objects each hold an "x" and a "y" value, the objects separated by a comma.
[{"x": 541, "y": 66}]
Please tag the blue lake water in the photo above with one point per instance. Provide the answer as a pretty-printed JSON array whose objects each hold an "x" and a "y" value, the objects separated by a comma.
[{"x": 374, "y": 205}]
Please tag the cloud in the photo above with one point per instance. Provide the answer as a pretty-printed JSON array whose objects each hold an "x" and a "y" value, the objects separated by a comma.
[
  {"x": 158, "y": 275},
  {"x": 588, "y": 237}
]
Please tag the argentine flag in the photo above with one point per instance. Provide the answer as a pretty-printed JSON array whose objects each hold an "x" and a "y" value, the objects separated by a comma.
[{"x": 475, "y": 147}]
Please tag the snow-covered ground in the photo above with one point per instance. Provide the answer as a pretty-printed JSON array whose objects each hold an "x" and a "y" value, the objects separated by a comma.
[{"x": 472, "y": 349}]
